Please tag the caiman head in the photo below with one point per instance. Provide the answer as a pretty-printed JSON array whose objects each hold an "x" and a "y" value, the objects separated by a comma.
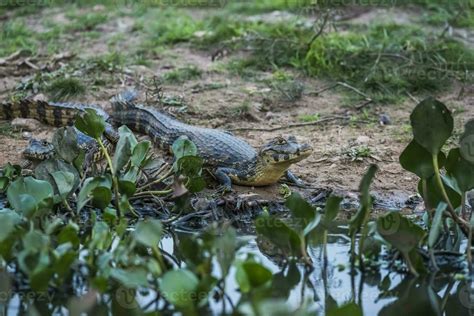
[
  {"x": 275, "y": 157},
  {"x": 38, "y": 150}
]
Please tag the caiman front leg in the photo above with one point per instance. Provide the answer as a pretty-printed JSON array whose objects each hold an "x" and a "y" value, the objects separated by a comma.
[
  {"x": 290, "y": 177},
  {"x": 223, "y": 176}
]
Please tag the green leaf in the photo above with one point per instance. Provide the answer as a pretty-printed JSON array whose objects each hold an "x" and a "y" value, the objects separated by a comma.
[
  {"x": 101, "y": 197},
  {"x": 130, "y": 278},
  {"x": 45, "y": 170},
  {"x": 8, "y": 221},
  {"x": 25, "y": 194},
  {"x": 196, "y": 184},
  {"x": 460, "y": 169},
  {"x": 331, "y": 209},
  {"x": 148, "y": 233},
  {"x": 90, "y": 123},
  {"x": 127, "y": 187},
  {"x": 179, "y": 287},
  {"x": 123, "y": 149},
  {"x": 415, "y": 158},
  {"x": 65, "y": 143},
  {"x": 140, "y": 152},
  {"x": 304, "y": 214},
  {"x": 225, "y": 246},
  {"x": 432, "y": 124},
  {"x": 189, "y": 166},
  {"x": 85, "y": 195},
  {"x": 65, "y": 182},
  {"x": 400, "y": 232},
  {"x": 279, "y": 233},
  {"x": 250, "y": 275},
  {"x": 183, "y": 146},
  {"x": 432, "y": 195},
  {"x": 436, "y": 224}
]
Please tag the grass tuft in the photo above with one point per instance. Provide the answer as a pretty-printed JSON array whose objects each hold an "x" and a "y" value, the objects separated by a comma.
[
  {"x": 65, "y": 88},
  {"x": 181, "y": 75}
]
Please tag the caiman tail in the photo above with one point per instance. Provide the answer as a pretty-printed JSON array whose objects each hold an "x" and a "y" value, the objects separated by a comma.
[{"x": 50, "y": 113}]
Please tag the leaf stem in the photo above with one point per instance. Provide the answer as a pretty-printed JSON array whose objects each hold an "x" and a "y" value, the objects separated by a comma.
[
  {"x": 112, "y": 171},
  {"x": 463, "y": 225}
]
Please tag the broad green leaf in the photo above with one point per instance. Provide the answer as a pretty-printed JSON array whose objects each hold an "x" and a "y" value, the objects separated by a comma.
[
  {"x": 196, "y": 184},
  {"x": 179, "y": 287},
  {"x": 189, "y": 166},
  {"x": 65, "y": 143},
  {"x": 65, "y": 182},
  {"x": 148, "y": 233},
  {"x": 4, "y": 181},
  {"x": 432, "y": 194},
  {"x": 127, "y": 187},
  {"x": 45, "y": 170},
  {"x": 250, "y": 275},
  {"x": 38, "y": 193},
  {"x": 140, "y": 152},
  {"x": 305, "y": 218},
  {"x": 90, "y": 123},
  {"x": 436, "y": 224},
  {"x": 101, "y": 197},
  {"x": 69, "y": 234},
  {"x": 415, "y": 158},
  {"x": 8, "y": 221},
  {"x": 225, "y": 246},
  {"x": 331, "y": 209},
  {"x": 123, "y": 152},
  {"x": 460, "y": 169},
  {"x": 85, "y": 195},
  {"x": 400, "y": 232},
  {"x": 432, "y": 124},
  {"x": 130, "y": 278},
  {"x": 279, "y": 233},
  {"x": 183, "y": 146},
  {"x": 101, "y": 237}
]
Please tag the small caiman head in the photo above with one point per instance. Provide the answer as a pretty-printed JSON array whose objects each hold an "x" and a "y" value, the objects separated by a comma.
[
  {"x": 38, "y": 149},
  {"x": 274, "y": 159},
  {"x": 284, "y": 151}
]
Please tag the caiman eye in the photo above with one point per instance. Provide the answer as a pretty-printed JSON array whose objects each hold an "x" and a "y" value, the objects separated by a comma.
[
  {"x": 44, "y": 143},
  {"x": 281, "y": 141}
]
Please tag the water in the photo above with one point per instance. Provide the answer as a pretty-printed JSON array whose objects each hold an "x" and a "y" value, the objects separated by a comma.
[{"x": 380, "y": 292}]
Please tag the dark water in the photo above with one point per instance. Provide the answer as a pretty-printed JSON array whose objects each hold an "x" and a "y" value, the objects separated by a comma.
[{"x": 379, "y": 292}]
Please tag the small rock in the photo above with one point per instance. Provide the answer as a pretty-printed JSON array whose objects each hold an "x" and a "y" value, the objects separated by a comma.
[
  {"x": 362, "y": 139},
  {"x": 25, "y": 124},
  {"x": 39, "y": 97},
  {"x": 384, "y": 119}
]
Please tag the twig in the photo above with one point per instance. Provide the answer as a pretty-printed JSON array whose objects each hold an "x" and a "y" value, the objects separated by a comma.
[
  {"x": 320, "y": 31},
  {"x": 412, "y": 97},
  {"x": 272, "y": 129},
  {"x": 348, "y": 86}
]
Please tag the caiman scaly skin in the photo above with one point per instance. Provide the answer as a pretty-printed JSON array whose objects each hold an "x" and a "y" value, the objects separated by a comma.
[{"x": 229, "y": 158}]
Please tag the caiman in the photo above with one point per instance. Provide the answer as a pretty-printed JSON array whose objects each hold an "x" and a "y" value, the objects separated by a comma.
[
  {"x": 56, "y": 114},
  {"x": 229, "y": 158}
]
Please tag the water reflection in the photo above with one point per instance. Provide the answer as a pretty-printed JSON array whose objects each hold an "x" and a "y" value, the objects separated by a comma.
[{"x": 320, "y": 289}]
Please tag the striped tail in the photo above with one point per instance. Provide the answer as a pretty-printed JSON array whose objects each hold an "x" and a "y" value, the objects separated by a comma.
[{"x": 48, "y": 113}]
